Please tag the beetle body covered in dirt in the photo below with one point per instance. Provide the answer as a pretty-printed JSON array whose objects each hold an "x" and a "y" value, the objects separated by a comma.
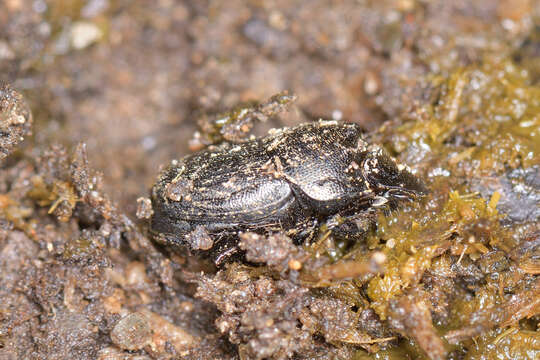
[{"x": 290, "y": 180}]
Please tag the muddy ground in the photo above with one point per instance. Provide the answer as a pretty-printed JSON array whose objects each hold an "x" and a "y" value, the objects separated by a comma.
[{"x": 97, "y": 95}]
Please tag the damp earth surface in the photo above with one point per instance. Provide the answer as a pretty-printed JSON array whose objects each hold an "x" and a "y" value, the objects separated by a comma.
[{"x": 98, "y": 95}]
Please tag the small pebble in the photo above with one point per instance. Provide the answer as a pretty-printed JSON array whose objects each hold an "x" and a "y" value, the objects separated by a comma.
[
  {"x": 84, "y": 34},
  {"x": 144, "y": 208},
  {"x": 132, "y": 332},
  {"x": 5, "y": 51}
]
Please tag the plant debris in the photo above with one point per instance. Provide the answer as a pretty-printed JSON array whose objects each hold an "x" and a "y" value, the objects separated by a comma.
[{"x": 450, "y": 88}]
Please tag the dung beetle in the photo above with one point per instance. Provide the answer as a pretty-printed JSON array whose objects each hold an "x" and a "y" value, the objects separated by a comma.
[{"x": 292, "y": 180}]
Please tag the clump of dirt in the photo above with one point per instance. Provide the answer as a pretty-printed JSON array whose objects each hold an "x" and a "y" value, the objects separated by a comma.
[
  {"x": 15, "y": 120},
  {"x": 61, "y": 295},
  {"x": 450, "y": 88}
]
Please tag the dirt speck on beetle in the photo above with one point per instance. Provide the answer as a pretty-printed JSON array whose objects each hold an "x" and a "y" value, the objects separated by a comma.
[{"x": 449, "y": 88}]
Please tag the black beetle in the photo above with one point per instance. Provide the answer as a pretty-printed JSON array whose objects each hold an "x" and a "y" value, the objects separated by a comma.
[{"x": 291, "y": 180}]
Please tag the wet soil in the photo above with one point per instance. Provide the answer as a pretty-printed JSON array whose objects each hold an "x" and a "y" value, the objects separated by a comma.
[{"x": 97, "y": 95}]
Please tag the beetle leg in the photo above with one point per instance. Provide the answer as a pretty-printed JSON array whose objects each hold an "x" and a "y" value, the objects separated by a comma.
[
  {"x": 305, "y": 232},
  {"x": 225, "y": 250},
  {"x": 350, "y": 228}
]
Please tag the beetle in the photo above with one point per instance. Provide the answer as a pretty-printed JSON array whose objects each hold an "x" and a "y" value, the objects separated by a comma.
[{"x": 291, "y": 180}]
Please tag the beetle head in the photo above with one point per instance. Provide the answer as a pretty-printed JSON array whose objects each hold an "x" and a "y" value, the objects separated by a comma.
[{"x": 391, "y": 181}]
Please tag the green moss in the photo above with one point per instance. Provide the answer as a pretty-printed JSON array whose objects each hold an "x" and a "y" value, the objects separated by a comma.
[
  {"x": 505, "y": 344},
  {"x": 491, "y": 109},
  {"x": 484, "y": 122}
]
